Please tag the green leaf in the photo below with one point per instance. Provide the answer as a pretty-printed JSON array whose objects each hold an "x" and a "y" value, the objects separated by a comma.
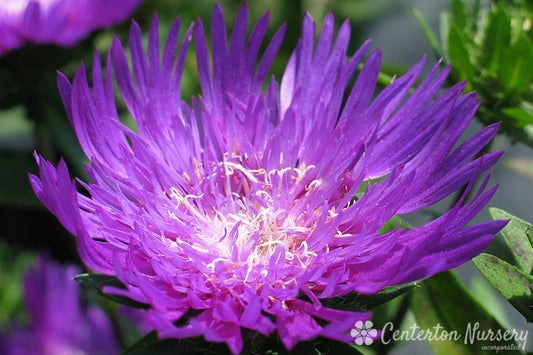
[
  {"x": 496, "y": 40},
  {"x": 442, "y": 301},
  {"x": 385, "y": 295},
  {"x": 475, "y": 16},
  {"x": 150, "y": 344},
  {"x": 516, "y": 236},
  {"x": 13, "y": 265},
  {"x": 329, "y": 346},
  {"x": 459, "y": 55},
  {"x": 516, "y": 71},
  {"x": 444, "y": 29},
  {"x": 254, "y": 343},
  {"x": 458, "y": 12},
  {"x": 428, "y": 32},
  {"x": 392, "y": 224},
  {"x": 361, "y": 302},
  {"x": 521, "y": 117},
  {"x": 97, "y": 282},
  {"x": 163, "y": 347},
  {"x": 485, "y": 293},
  {"x": 512, "y": 283},
  {"x": 368, "y": 183}
]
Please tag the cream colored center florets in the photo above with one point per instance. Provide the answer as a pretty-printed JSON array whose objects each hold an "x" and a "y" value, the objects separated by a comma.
[{"x": 243, "y": 220}]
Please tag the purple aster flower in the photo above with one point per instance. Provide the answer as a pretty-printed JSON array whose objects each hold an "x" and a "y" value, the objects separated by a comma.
[
  {"x": 240, "y": 202},
  {"x": 62, "y": 22},
  {"x": 59, "y": 325}
]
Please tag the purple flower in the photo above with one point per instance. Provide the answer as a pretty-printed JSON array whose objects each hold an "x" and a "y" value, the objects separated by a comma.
[
  {"x": 240, "y": 202},
  {"x": 63, "y": 22},
  {"x": 59, "y": 325}
]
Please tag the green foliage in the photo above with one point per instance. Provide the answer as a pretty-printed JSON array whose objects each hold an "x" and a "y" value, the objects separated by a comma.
[
  {"x": 516, "y": 71},
  {"x": 254, "y": 344},
  {"x": 517, "y": 234},
  {"x": 491, "y": 47},
  {"x": 98, "y": 282},
  {"x": 361, "y": 302},
  {"x": 443, "y": 301},
  {"x": 13, "y": 265},
  {"x": 459, "y": 54},
  {"x": 511, "y": 282},
  {"x": 150, "y": 344},
  {"x": 514, "y": 283},
  {"x": 495, "y": 41}
]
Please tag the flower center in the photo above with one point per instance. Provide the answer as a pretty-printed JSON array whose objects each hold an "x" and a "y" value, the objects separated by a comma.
[{"x": 243, "y": 215}]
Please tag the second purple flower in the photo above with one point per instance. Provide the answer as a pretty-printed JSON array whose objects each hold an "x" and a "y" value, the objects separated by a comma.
[{"x": 62, "y": 22}]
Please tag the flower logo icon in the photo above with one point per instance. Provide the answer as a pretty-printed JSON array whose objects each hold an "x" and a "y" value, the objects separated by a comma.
[{"x": 363, "y": 333}]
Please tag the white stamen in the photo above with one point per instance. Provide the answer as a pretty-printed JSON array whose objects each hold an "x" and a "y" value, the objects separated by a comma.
[{"x": 272, "y": 227}]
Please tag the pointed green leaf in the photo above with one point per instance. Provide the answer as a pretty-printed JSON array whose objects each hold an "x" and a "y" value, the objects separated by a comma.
[
  {"x": 458, "y": 12},
  {"x": 97, "y": 282},
  {"x": 475, "y": 16},
  {"x": 459, "y": 55},
  {"x": 521, "y": 117},
  {"x": 428, "y": 32},
  {"x": 329, "y": 346},
  {"x": 163, "y": 347},
  {"x": 254, "y": 343},
  {"x": 385, "y": 295},
  {"x": 516, "y": 71},
  {"x": 444, "y": 29},
  {"x": 517, "y": 236},
  {"x": 146, "y": 340},
  {"x": 361, "y": 302},
  {"x": 513, "y": 284},
  {"x": 151, "y": 344},
  {"x": 484, "y": 292},
  {"x": 393, "y": 223},
  {"x": 496, "y": 40},
  {"x": 442, "y": 302}
]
